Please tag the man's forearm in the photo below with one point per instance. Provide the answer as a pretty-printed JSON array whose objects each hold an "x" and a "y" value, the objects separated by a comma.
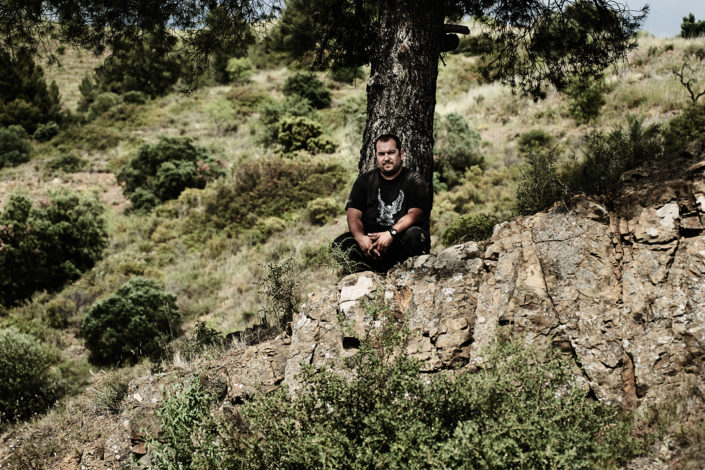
[
  {"x": 413, "y": 217},
  {"x": 357, "y": 229}
]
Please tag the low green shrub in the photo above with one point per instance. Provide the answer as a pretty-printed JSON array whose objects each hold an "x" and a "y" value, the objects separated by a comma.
[
  {"x": 58, "y": 311},
  {"x": 322, "y": 209},
  {"x": 246, "y": 99},
  {"x": 102, "y": 103},
  {"x": 90, "y": 137},
  {"x": 521, "y": 410},
  {"x": 684, "y": 128},
  {"x": 280, "y": 289},
  {"x": 586, "y": 99},
  {"x": 239, "y": 70},
  {"x": 223, "y": 114},
  {"x": 69, "y": 162},
  {"x": 301, "y": 133},
  {"x": 457, "y": 148},
  {"x": 134, "y": 322},
  {"x": 535, "y": 139},
  {"x": 272, "y": 113},
  {"x": 46, "y": 131},
  {"x": 347, "y": 74},
  {"x": 541, "y": 182},
  {"x": 25, "y": 382},
  {"x": 14, "y": 148},
  {"x": 308, "y": 85},
  {"x": 240, "y": 202},
  {"x": 46, "y": 246},
  {"x": 469, "y": 228},
  {"x": 159, "y": 172},
  {"x": 134, "y": 97}
]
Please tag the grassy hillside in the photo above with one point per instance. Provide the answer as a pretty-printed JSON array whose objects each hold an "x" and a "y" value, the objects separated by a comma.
[{"x": 213, "y": 257}]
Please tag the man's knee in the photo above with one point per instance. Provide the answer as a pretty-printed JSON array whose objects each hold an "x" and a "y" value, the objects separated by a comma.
[{"x": 415, "y": 241}]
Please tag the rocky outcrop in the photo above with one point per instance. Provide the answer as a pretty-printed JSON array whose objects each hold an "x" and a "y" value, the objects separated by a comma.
[{"x": 616, "y": 282}]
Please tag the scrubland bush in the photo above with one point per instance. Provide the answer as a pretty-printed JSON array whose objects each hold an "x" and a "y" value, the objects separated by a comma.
[
  {"x": 322, "y": 209},
  {"x": 535, "y": 139},
  {"x": 301, "y": 133},
  {"x": 134, "y": 322},
  {"x": 347, "y": 74},
  {"x": 280, "y": 290},
  {"x": 469, "y": 228},
  {"x": 25, "y": 98},
  {"x": 271, "y": 187},
  {"x": 546, "y": 179},
  {"x": 48, "y": 245},
  {"x": 586, "y": 99},
  {"x": 102, "y": 103},
  {"x": 457, "y": 148},
  {"x": 354, "y": 111},
  {"x": 684, "y": 128},
  {"x": 222, "y": 113},
  {"x": 14, "y": 148},
  {"x": 521, "y": 410},
  {"x": 25, "y": 385},
  {"x": 272, "y": 113},
  {"x": 246, "y": 99},
  {"x": 134, "y": 97},
  {"x": 308, "y": 85},
  {"x": 68, "y": 162},
  {"x": 239, "y": 70},
  {"x": 159, "y": 172},
  {"x": 691, "y": 28},
  {"x": 46, "y": 131},
  {"x": 90, "y": 137}
]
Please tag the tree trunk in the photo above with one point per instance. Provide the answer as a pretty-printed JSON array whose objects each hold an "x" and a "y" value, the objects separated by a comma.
[{"x": 401, "y": 91}]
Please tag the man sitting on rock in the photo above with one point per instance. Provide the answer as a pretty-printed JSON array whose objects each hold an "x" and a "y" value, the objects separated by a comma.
[{"x": 387, "y": 212}]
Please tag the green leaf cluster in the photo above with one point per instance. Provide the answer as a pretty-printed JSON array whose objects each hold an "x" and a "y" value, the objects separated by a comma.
[
  {"x": 25, "y": 382},
  {"x": 136, "y": 321},
  {"x": 159, "y": 172},
  {"x": 45, "y": 246}
]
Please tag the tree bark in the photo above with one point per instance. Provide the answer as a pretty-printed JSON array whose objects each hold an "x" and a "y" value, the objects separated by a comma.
[{"x": 401, "y": 91}]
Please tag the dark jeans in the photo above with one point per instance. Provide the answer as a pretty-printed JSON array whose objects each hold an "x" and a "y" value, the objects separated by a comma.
[{"x": 413, "y": 241}]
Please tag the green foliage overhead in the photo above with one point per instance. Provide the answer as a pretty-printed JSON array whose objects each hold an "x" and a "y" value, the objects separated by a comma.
[
  {"x": 159, "y": 172},
  {"x": 308, "y": 85},
  {"x": 521, "y": 410},
  {"x": 45, "y": 246},
  {"x": 25, "y": 97},
  {"x": 469, "y": 228},
  {"x": 14, "y": 148},
  {"x": 134, "y": 322},
  {"x": 272, "y": 187},
  {"x": 457, "y": 148},
  {"x": 25, "y": 382},
  {"x": 691, "y": 28}
]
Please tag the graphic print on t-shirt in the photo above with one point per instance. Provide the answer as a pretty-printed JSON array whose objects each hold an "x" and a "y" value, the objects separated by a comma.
[{"x": 386, "y": 212}]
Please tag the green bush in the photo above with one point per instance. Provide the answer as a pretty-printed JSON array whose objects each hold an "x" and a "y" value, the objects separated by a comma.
[
  {"x": 535, "y": 139},
  {"x": 469, "y": 228},
  {"x": 90, "y": 137},
  {"x": 541, "y": 183},
  {"x": 301, "y": 133},
  {"x": 25, "y": 98},
  {"x": 271, "y": 114},
  {"x": 102, "y": 103},
  {"x": 308, "y": 85},
  {"x": 322, "y": 209},
  {"x": 684, "y": 128},
  {"x": 25, "y": 385},
  {"x": 69, "y": 162},
  {"x": 240, "y": 202},
  {"x": 134, "y": 97},
  {"x": 586, "y": 99},
  {"x": 280, "y": 289},
  {"x": 159, "y": 172},
  {"x": 46, "y": 131},
  {"x": 14, "y": 148},
  {"x": 134, "y": 322},
  {"x": 239, "y": 70},
  {"x": 457, "y": 148},
  {"x": 347, "y": 74},
  {"x": 46, "y": 246},
  {"x": 521, "y": 410}
]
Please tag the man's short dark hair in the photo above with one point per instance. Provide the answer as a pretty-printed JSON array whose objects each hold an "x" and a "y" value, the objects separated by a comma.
[{"x": 388, "y": 137}]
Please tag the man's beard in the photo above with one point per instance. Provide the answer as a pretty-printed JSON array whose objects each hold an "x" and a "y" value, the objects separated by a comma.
[{"x": 393, "y": 171}]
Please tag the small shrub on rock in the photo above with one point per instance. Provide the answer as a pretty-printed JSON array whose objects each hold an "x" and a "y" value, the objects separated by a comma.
[
  {"x": 25, "y": 385},
  {"x": 469, "y": 228},
  {"x": 14, "y": 148},
  {"x": 45, "y": 246},
  {"x": 159, "y": 172},
  {"x": 308, "y": 85},
  {"x": 136, "y": 321}
]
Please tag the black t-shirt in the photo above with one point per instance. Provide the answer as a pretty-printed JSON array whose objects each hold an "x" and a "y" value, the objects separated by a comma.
[{"x": 384, "y": 202}]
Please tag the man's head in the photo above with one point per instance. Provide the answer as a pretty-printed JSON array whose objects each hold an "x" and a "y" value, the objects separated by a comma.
[{"x": 389, "y": 155}]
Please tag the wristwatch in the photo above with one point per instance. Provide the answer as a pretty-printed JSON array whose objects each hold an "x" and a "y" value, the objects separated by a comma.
[{"x": 393, "y": 232}]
